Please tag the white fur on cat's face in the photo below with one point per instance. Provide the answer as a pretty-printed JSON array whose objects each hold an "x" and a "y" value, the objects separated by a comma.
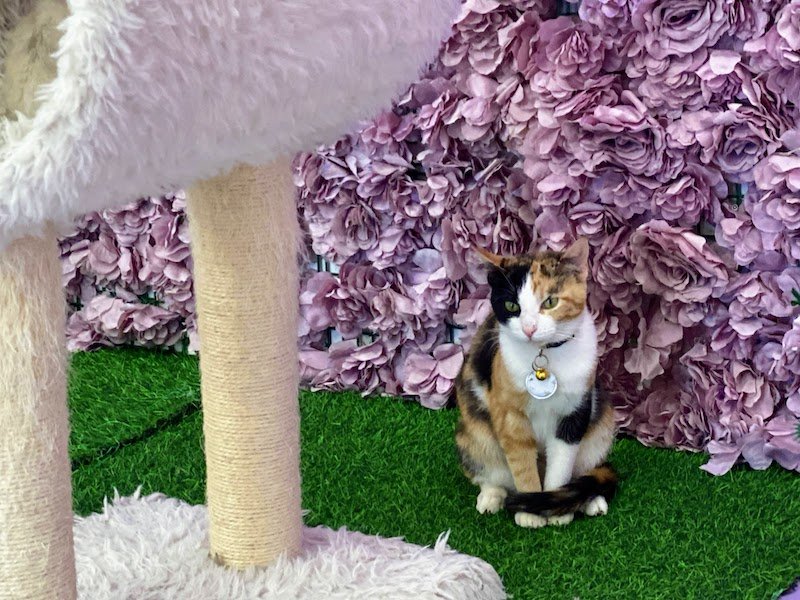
[{"x": 548, "y": 329}]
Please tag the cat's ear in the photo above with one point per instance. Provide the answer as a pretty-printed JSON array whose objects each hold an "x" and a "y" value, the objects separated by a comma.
[
  {"x": 489, "y": 257},
  {"x": 578, "y": 252}
]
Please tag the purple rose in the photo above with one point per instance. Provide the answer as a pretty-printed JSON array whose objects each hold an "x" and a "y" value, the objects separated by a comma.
[
  {"x": 678, "y": 27},
  {"x": 132, "y": 221},
  {"x": 431, "y": 376},
  {"x": 470, "y": 224},
  {"x": 788, "y": 25},
  {"x": 166, "y": 259},
  {"x": 476, "y": 114},
  {"x": 613, "y": 271},
  {"x": 396, "y": 316},
  {"x": 439, "y": 191},
  {"x": 777, "y": 53},
  {"x": 608, "y": 15},
  {"x": 669, "y": 85},
  {"x": 437, "y": 103},
  {"x": 630, "y": 195},
  {"x": 783, "y": 445},
  {"x": 613, "y": 327},
  {"x": 472, "y": 312},
  {"x": 354, "y": 367},
  {"x": 790, "y": 359},
  {"x": 104, "y": 258},
  {"x": 693, "y": 195},
  {"x": 313, "y": 364},
  {"x": 594, "y": 221},
  {"x": 781, "y": 168},
  {"x": 793, "y": 400},
  {"x": 604, "y": 90},
  {"x": 544, "y": 143},
  {"x": 739, "y": 234},
  {"x": 746, "y": 393},
  {"x": 476, "y": 37},
  {"x": 83, "y": 335},
  {"x": 656, "y": 339},
  {"x": 688, "y": 427},
  {"x": 748, "y": 135},
  {"x": 316, "y": 303},
  {"x": 625, "y": 136},
  {"x": 519, "y": 40},
  {"x": 74, "y": 254},
  {"x": 355, "y": 227},
  {"x": 722, "y": 76},
  {"x": 748, "y": 18},
  {"x": 517, "y": 102},
  {"x": 777, "y": 211},
  {"x": 350, "y": 311},
  {"x": 650, "y": 418},
  {"x": 675, "y": 263},
  {"x": 387, "y": 129},
  {"x": 435, "y": 294},
  {"x": 735, "y": 139},
  {"x": 754, "y": 295},
  {"x": 748, "y": 445},
  {"x": 570, "y": 52},
  {"x": 559, "y": 191},
  {"x": 685, "y": 315},
  {"x": 125, "y": 322},
  {"x": 365, "y": 279},
  {"x": 554, "y": 228},
  {"x": 729, "y": 343}
]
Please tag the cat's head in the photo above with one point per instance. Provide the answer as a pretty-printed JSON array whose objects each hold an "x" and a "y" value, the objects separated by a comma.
[{"x": 537, "y": 297}]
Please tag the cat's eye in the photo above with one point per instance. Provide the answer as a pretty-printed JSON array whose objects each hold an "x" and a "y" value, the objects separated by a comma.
[
  {"x": 550, "y": 302},
  {"x": 511, "y": 306}
]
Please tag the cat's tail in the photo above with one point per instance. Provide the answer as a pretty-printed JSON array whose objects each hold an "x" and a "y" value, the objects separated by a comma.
[{"x": 600, "y": 481}]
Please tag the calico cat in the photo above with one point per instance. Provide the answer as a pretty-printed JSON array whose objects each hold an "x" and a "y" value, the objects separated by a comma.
[{"x": 512, "y": 444}]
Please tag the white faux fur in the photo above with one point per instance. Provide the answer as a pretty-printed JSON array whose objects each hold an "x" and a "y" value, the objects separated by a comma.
[
  {"x": 152, "y": 96},
  {"x": 155, "y": 548}
]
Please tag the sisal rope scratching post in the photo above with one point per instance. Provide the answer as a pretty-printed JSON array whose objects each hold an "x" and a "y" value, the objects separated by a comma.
[
  {"x": 36, "y": 550},
  {"x": 36, "y": 554},
  {"x": 244, "y": 242}
]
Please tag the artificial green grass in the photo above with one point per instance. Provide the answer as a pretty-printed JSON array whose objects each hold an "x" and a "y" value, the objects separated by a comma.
[
  {"x": 386, "y": 467},
  {"x": 117, "y": 396}
]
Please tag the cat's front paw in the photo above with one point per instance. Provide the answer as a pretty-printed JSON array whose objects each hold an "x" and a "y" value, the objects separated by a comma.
[
  {"x": 560, "y": 520},
  {"x": 490, "y": 500},
  {"x": 529, "y": 520},
  {"x": 595, "y": 507}
]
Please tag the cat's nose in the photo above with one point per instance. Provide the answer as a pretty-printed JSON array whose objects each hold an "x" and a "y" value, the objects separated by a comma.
[{"x": 529, "y": 330}]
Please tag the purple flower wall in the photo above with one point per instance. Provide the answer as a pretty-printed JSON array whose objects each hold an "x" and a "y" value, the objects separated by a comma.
[{"x": 664, "y": 131}]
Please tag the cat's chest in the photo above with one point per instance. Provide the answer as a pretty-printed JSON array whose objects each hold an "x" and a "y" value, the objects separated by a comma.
[{"x": 570, "y": 376}]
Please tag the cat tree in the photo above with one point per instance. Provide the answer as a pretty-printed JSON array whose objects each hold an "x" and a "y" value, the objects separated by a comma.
[{"x": 144, "y": 97}]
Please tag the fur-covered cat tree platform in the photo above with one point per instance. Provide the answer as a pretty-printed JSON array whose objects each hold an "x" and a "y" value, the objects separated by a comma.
[{"x": 145, "y": 97}]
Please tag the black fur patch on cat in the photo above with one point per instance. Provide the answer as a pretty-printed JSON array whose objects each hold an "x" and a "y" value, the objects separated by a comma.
[
  {"x": 572, "y": 428},
  {"x": 506, "y": 283},
  {"x": 472, "y": 404},
  {"x": 451, "y": 400},
  {"x": 483, "y": 352}
]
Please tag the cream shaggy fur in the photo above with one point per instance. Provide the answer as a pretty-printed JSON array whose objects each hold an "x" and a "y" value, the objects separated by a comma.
[
  {"x": 155, "y": 548},
  {"x": 152, "y": 96}
]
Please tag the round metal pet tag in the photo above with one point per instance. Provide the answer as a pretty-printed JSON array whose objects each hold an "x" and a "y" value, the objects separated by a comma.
[{"x": 541, "y": 384}]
